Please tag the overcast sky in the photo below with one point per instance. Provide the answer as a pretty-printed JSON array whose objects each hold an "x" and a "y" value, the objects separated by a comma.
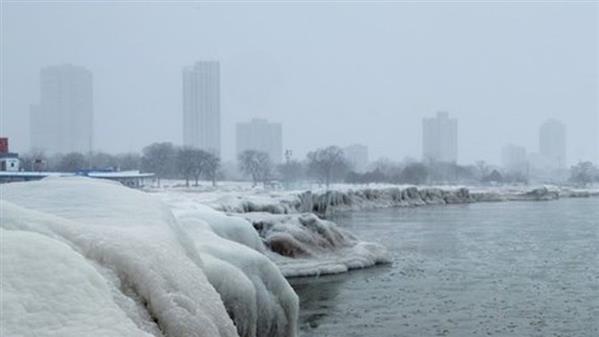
[{"x": 332, "y": 73}]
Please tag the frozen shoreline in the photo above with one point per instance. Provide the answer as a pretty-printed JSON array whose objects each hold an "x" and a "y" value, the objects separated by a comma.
[
  {"x": 193, "y": 262},
  {"x": 241, "y": 198},
  {"x": 296, "y": 236}
]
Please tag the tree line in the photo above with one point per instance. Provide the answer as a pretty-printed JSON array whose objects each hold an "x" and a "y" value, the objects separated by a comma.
[{"x": 324, "y": 165}]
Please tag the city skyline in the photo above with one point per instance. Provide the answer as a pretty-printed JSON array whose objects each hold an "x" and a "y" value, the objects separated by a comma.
[
  {"x": 500, "y": 70},
  {"x": 204, "y": 76}
]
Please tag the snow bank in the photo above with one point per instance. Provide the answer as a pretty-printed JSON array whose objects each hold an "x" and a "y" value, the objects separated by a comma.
[{"x": 177, "y": 278}]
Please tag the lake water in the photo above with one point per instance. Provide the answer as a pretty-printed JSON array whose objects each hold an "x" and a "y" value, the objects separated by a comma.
[{"x": 487, "y": 269}]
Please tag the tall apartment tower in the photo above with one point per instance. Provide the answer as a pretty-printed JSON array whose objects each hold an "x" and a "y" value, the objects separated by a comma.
[
  {"x": 357, "y": 155},
  {"x": 440, "y": 138},
  {"x": 62, "y": 122},
  {"x": 514, "y": 158},
  {"x": 260, "y": 135},
  {"x": 552, "y": 143},
  {"x": 201, "y": 106}
]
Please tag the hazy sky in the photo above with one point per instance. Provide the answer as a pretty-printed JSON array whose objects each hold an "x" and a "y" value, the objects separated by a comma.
[{"x": 332, "y": 73}]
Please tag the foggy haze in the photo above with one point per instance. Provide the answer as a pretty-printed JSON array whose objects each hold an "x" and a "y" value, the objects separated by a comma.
[{"x": 331, "y": 73}]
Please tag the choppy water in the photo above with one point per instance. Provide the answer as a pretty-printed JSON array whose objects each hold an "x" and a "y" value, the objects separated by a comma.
[{"x": 489, "y": 269}]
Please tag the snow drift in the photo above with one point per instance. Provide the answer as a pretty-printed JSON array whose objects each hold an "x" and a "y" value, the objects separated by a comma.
[{"x": 152, "y": 274}]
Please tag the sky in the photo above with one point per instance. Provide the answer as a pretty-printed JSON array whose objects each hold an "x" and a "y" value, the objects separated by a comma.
[{"x": 331, "y": 72}]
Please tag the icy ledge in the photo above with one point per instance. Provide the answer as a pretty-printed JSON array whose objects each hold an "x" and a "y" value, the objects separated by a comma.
[{"x": 92, "y": 258}]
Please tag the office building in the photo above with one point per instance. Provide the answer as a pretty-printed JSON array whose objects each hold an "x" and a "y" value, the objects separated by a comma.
[
  {"x": 357, "y": 156},
  {"x": 552, "y": 143},
  {"x": 440, "y": 138},
  {"x": 514, "y": 159},
  {"x": 201, "y": 106},
  {"x": 62, "y": 122},
  {"x": 260, "y": 135}
]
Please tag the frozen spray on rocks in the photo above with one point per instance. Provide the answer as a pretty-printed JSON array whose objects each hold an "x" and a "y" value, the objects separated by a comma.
[{"x": 151, "y": 273}]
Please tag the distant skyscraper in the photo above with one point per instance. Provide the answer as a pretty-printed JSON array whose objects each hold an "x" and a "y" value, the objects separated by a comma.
[
  {"x": 201, "y": 106},
  {"x": 552, "y": 143},
  {"x": 357, "y": 155},
  {"x": 440, "y": 138},
  {"x": 514, "y": 158},
  {"x": 63, "y": 120},
  {"x": 260, "y": 135}
]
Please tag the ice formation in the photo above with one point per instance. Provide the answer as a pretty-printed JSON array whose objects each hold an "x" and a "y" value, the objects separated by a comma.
[
  {"x": 49, "y": 289},
  {"x": 240, "y": 199},
  {"x": 155, "y": 274},
  {"x": 301, "y": 244}
]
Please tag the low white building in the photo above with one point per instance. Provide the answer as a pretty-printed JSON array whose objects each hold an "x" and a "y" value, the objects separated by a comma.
[{"x": 9, "y": 162}]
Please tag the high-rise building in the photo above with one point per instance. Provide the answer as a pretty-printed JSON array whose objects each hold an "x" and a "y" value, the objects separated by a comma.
[
  {"x": 62, "y": 122},
  {"x": 357, "y": 155},
  {"x": 201, "y": 106},
  {"x": 440, "y": 138},
  {"x": 514, "y": 158},
  {"x": 260, "y": 135},
  {"x": 552, "y": 143}
]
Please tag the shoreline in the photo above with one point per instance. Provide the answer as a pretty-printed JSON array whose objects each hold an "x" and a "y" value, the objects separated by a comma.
[{"x": 322, "y": 247}]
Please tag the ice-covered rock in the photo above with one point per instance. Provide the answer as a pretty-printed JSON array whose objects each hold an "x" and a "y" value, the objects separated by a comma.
[
  {"x": 303, "y": 244},
  {"x": 48, "y": 289},
  {"x": 325, "y": 202},
  {"x": 170, "y": 270},
  {"x": 300, "y": 244}
]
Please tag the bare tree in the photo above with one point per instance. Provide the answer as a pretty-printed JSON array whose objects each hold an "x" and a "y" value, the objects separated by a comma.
[
  {"x": 102, "y": 160},
  {"x": 415, "y": 173},
  {"x": 327, "y": 164},
  {"x": 210, "y": 165},
  {"x": 584, "y": 173},
  {"x": 71, "y": 162},
  {"x": 158, "y": 158},
  {"x": 483, "y": 169},
  {"x": 128, "y": 161},
  {"x": 187, "y": 163},
  {"x": 291, "y": 171},
  {"x": 35, "y": 160},
  {"x": 256, "y": 164}
]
